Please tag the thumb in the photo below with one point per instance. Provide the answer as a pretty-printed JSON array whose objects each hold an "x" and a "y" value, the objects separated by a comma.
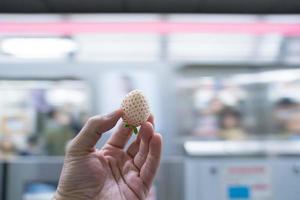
[{"x": 92, "y": 131}]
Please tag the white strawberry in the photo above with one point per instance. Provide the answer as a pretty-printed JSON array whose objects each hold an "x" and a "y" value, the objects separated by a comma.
[{"x": 136, "y": 109}]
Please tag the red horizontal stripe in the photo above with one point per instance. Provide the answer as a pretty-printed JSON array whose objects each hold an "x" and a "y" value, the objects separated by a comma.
[{"x": 291, "y": 29}]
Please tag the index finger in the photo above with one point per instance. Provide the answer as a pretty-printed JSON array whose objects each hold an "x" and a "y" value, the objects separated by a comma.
[{"x": 93, "y": 129}]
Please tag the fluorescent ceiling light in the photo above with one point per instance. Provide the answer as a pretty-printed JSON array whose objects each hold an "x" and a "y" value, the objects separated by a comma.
[
  {"x": 210, "y": 47},
  {"x": 211, "y": 148},
  {"x": 118, "y": 47},
  {"x": 267, "y": 77},
  {"x": 38, "y": 47}
]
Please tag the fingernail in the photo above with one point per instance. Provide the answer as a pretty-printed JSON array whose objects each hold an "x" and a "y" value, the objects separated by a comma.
[{"x": 152, "y": 125}]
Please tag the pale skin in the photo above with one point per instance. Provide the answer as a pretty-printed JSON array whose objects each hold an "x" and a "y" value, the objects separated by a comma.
[{"x": 112, "y": 172}]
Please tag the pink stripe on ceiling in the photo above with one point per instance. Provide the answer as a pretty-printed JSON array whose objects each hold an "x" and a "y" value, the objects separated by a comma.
[{"x": 149, "y": 27}]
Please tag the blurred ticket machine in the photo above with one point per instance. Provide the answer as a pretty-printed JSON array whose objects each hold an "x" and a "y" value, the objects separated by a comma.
[{"x": 32, "y": 178}]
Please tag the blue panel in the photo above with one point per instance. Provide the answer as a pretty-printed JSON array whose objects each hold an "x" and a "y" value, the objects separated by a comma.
[{"x": 238, "y": 192}]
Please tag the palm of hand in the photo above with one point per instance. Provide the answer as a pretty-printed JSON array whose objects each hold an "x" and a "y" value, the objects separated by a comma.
[{"x": 112, "y": 172}]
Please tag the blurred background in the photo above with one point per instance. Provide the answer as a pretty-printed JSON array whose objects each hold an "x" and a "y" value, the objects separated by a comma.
[{"x": 223, "y": 83}]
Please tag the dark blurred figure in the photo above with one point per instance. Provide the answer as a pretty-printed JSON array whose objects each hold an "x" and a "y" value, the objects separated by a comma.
[
  {"x": 32, "y": 147},
  {"x": 41, "y": 106},
  {"x": 58, "y": 132},
  {"x": 230, "y": 124},
  {"x": 77, "y": 121},
  {"x": 282, "y": 114}
]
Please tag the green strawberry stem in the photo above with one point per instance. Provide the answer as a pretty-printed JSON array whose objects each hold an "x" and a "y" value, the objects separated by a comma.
[{"x": 133, "y": 128}]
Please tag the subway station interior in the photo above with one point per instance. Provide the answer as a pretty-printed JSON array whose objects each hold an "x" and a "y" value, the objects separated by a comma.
[{"x": 222, "y": 81}]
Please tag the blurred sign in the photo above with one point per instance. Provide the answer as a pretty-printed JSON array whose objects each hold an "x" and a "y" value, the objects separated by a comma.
[{"x": 247, "y": 182}]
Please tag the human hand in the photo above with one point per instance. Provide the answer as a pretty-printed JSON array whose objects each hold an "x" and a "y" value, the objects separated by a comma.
[{"x": 110, "y": 173}]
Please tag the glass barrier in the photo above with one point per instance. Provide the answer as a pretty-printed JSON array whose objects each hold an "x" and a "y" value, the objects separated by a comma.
[
  {"x": 251, "y": 105},
  {"x": 40, "y": 116}
]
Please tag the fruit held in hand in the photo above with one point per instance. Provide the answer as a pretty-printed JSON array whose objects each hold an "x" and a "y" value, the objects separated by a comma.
[{"x": 136, "y": 109}]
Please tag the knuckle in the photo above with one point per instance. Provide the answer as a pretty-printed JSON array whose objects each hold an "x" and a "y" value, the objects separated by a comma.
[
  {"x": 93, "y": 120},
  {"x": 72, "y": 149}
]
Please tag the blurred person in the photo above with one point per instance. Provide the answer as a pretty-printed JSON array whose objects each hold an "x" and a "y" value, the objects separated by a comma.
[
  {"x": 75, "y": 124},
  {"x": 282, "y": 110},
  {"x": 58, "y": 132},
  {"x": 32, "y": 147},
  {"x": 230, "y": 124},
  {"x": 111, "y": 172},
  {"x": 216, "y": 105},
  {"x": 207, "y": 122},
  {"x": 293, "y": 125},
  {"x": 7, "y": 147},
  {"x": 78, "y": 121},
  {"x": 40, "y": 104}
]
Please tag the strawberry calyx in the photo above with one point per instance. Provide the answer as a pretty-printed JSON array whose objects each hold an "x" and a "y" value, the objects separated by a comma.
[{"x": 133, "y": 128}]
